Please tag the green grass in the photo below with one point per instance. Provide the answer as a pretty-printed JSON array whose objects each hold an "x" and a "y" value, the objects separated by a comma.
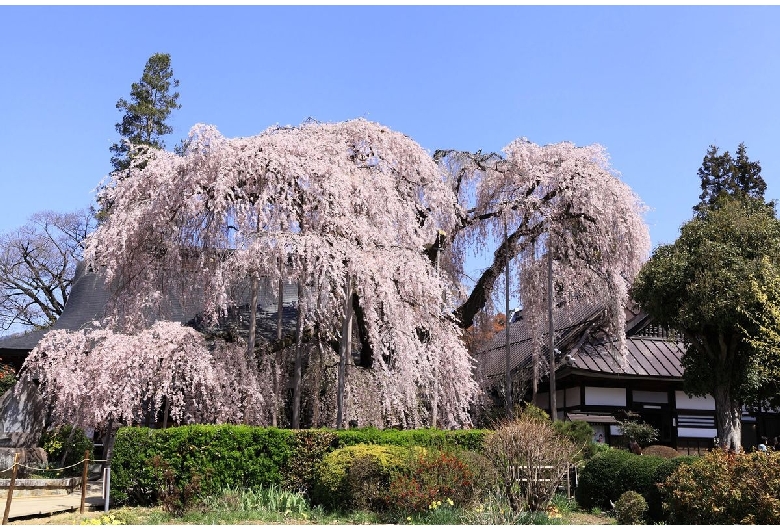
[{"x": 275, "y": 506}]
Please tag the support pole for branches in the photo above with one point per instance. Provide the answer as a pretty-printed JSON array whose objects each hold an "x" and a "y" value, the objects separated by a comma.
[
  {"x": 435, "y": 396},
  {"x": 275, "y": 375},
  {"x": 551, "y": 338},
  {"x": 508, "y": 363},
  {"x": 346, "y": 336},
  {"x": 298, "y": 366}
]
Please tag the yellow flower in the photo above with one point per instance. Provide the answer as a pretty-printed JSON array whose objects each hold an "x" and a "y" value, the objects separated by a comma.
[{"x": 449, "y": 501}]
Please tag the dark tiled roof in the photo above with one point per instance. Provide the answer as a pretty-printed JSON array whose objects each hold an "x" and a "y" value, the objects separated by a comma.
[
  {"x": 90, "y": 297},
  {"x": 646, "y": 356},
  {"x": 491, "y": 361},
  {"x": 86, "y": 303}
]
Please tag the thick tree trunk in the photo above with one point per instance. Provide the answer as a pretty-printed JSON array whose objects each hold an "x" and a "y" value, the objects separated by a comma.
[{"x": 728, "y": 419}]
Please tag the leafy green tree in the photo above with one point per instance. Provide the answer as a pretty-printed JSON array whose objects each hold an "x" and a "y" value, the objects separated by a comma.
[
  {"x": 721, "y": 175},
  {"x": 145, "y": 116},
  {"x": 765, "y": 337},
  {"x": 704, "y": 285}
]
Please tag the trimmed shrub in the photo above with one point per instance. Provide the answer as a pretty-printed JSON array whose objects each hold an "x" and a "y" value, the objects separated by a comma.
[
  {"x": 609, "y": 474},
  {"x": 228, "y": 456},
  {"x": 223, "y": 456},
  {"x": 309, "y": 447},
  {"x": 597, "y": 482},
  {"x": 353, "y": 477},
  {"x": 432, "y": 478},
  {"x": 630, "y": 508},
  {"x": 662, "y": 451},
  {"x": 725, "y": 488},
  {"x": 471, "y": 439}
]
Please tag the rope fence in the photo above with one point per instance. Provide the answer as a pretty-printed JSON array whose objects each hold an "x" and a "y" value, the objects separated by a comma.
[
  {"x": 84, "y": 464},
  {"x": 49, "y": 469}
]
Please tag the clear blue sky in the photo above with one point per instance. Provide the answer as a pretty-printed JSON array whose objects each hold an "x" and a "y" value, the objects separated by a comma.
[{"x": 655, "y": 85}]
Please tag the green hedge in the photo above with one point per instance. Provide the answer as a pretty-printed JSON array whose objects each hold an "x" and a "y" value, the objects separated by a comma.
[
  {"x": 434, "y": 438},
  {"x": 609, "y": 474},
  {"x": 220, "y": 456}
]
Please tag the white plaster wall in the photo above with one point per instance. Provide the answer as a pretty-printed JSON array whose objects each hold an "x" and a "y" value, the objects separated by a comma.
[
  {"x": 605, "y": 396},
  {"x": 693, "y": 403}
]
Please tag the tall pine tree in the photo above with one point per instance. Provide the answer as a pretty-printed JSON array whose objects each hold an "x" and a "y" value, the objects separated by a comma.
[
  {"x": 145, "y": 115},
  {"x": 721, "y": 176}
]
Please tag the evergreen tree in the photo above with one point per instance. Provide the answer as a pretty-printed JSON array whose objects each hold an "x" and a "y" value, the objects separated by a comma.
[
  {"x": 717, "y": 285},
  {"x": 145, "y": 115},
  {"x": 723, "y": 176}
]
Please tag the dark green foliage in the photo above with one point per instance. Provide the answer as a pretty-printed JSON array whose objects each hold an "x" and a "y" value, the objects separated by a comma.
[
  {"x": 308, "y": 449},
  {"x": 703, "y": 286},
  {"x": 581, "y": 435},
  {"x": 638, "y": 431},
  {"x": 723, "y": 176},
  {"x": 608, "y": 475},
  {"x": 174, "y": 498},
  {"x": 145, "y": 115},
  {"x": 598, "y": 481},
  {"x": 434, "y": 438},
  {"x": 65, "y": 446},
  {"x": 228, "y": 456},
  {"x": 223, "y": 455},
  {"x": 630, "y": 508}
]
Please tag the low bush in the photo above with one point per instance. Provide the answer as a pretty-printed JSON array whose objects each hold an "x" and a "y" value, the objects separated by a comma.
[
  {"x": 226, "y": 456},
  {"x": 65, "y": 447},
  {"x": 662, "y": 451},
  {"x": 355, "y": 477},
  {"x": 597, "y": 483},
  {"x": 433, "y": 477},
  {"x": 270, "y": 499},
  {"x": 630, "y": 508},
  {"x": 533, "y": 459},
  {"x": 609, "y": 474},
  {"x": 309, "y": 447},
  {"x": 725, "y": 488}
]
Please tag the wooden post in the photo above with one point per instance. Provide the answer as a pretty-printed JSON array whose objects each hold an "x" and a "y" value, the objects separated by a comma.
[
  {"x": 11, "y": 488},
  {"x": 84, "y": 481}
]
